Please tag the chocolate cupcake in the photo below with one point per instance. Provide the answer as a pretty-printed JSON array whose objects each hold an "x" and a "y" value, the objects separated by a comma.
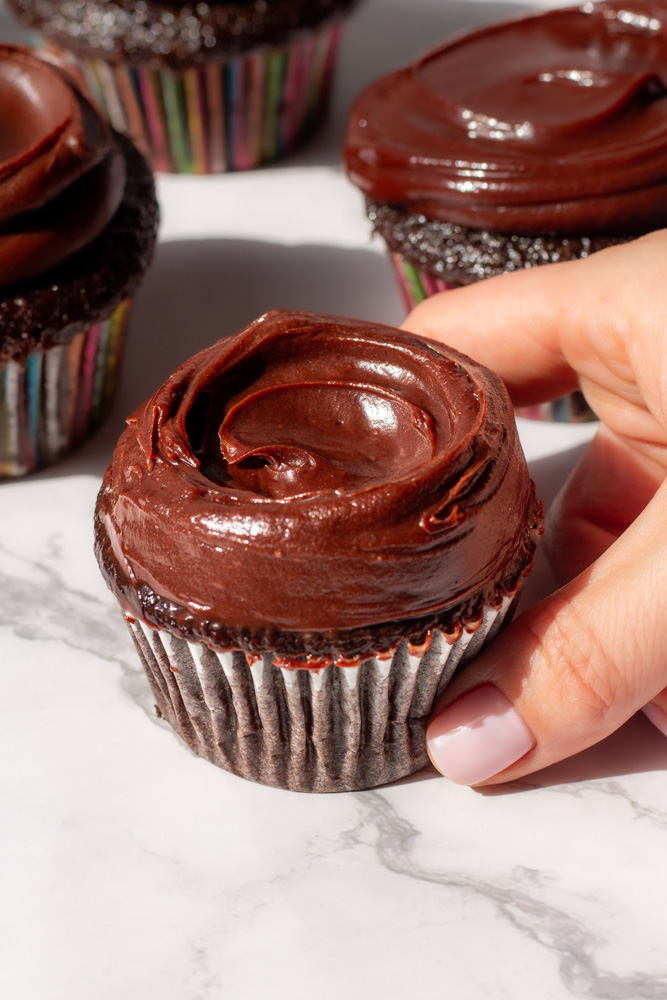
[
  {"x": 78, "y": 220},
  {"x": 201, "y": 87},
  {"x": 532, "y": 141},
  {"x": 309, "y": 528}
]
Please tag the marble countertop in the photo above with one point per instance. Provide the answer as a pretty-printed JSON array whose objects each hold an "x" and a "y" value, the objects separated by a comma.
[{"x": 129, "y": 867}]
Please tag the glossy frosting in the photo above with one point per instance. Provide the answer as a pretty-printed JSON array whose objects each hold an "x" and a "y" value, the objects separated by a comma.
[
  {"x": 555, "y": 123},
  {"x": 61, "y": 173},
  {"x": 316, "y": 473}
]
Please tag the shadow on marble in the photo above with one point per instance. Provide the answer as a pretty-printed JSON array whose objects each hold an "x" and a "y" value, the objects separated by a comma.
[
  {"x": 635, "y": 748},
  {"x": 198, "y": 291},
  {"x": 550, "y": 474}
]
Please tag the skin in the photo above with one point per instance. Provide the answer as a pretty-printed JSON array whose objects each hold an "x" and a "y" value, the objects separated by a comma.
[{"x": 579, "y": 664}]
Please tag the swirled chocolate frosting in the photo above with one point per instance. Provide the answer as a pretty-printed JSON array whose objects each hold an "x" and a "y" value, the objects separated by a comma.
[
  {"x": 314, "y": 476},
  {"x": 61, "y": 173},
  {"x": 552, "y": 124}
]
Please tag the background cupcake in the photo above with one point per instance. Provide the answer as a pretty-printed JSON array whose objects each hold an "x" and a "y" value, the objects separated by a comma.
[
  {"x": 201, "y": 87},
  {"x": 309, "y": 528},
  {"x": 79, "y": 217},
  {"x": 533, "y": 141}
]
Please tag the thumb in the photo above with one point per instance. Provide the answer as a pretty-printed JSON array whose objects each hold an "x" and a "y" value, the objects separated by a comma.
[{"x": 567, "y": 672}]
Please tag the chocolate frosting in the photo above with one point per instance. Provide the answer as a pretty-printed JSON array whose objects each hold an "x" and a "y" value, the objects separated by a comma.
[
  {"x": 316, "y": 474},
  {"x": 86, "y": 288},
  {"x": 553, "y": 124},
  {"x": 61, "y": 173},
  {"x": 172, "y": 32}
]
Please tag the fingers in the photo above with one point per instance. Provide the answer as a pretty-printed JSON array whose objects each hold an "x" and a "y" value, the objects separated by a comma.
[
  {"x": 567, "y": 672},
  {"x": 610, "y": 487},
  {"x": 510, "y": 324},
  {"x": 548, "y": 329}
]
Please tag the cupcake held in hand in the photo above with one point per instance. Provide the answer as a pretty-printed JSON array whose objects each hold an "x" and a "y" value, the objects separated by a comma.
[
  {"x": 78, "y": 221},
  {"x": 309, "y": 528},
  {"x": 532, "y": 141},
  {"x": 201, "y": 87}
]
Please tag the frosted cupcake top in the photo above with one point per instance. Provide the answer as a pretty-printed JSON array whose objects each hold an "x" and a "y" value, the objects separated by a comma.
[
  {"x": 62, "y": 174},
  {"x": 316, "y": 476},
  {"x": 555, "y": 123}
]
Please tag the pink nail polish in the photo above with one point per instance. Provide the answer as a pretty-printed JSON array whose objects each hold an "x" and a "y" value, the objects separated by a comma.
[
  {"x": 477, "y": 736},
  {"x": 656, "y": 715}
]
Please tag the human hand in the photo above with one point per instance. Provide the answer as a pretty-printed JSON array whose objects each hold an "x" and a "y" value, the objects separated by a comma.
[{"x": 571, "y": 670}]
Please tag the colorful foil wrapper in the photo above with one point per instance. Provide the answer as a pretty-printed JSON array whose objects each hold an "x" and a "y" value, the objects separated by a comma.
[
  {"x": 55, "y": 398},
  {"x": 338, "y": 728},
  {"x": 417, "y": 285},
  {"x": 220, "y": 115}
]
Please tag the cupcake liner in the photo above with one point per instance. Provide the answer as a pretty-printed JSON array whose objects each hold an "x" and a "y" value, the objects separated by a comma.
[
  {"x": 417, "y": 285},
  {"x": 220, "y": 115},
  {"x": 341, "y": 727},
  {"x": 57, "y": 396},
  {"x": 572, "y": 409}
]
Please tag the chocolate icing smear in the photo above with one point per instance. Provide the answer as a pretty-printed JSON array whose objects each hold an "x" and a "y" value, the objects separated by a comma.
[
  {"x": 61, "y": 173},
  {"x": 314, "y": 473},
  {"x": 553, "y": 124}
]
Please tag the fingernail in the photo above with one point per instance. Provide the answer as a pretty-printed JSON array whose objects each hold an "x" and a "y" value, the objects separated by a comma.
[
  {"x": 656, "y": 716},
  {"x": 477, "y": 736}
]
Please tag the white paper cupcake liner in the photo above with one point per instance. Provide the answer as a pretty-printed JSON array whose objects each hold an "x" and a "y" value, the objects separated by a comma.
[{"x": 339, "y": 728}]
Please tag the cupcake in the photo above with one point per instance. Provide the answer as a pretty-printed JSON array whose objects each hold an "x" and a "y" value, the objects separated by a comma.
[
  {"x": 309, "y": 528},
  {"x": 79, "y": 218},
  {"x": 201, "y": 87},
  {"x": 535, "y": 140}
]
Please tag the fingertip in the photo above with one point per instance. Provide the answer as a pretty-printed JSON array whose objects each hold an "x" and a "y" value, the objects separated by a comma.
[{"x": 477, "y": 736}]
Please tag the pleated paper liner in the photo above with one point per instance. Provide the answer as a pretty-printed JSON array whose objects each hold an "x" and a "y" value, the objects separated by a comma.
[
  {"x": 220, "y": 115},
  {"x": 56, "y": 397},
  {"x": 417, "y": 285},
  {"x": 340, "y": 728}
]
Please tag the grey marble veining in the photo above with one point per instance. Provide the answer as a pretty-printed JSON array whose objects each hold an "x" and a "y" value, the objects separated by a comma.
[
  {"x": 131, "y": 868},
  {"x": 111, "y": 823},
  {"x": 39, "y": 601},
  {"x": 562, "y": 933}
]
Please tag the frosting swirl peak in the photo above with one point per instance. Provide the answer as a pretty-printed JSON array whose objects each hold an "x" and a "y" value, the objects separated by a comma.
[
  {"x": 61, "y": 173},
  {"x": 554, "y": 123},
  {"x": 316, "y": 473}
]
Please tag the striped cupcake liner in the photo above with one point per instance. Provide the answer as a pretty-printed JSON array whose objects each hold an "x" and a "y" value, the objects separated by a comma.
[
  {"x": 221, "y": 115},
  {"x": 417, "y": 285},
  {"x": 51, "y": 401},
  {"x": 338, "y": 728}
]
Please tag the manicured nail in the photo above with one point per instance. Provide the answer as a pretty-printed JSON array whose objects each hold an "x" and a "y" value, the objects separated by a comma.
[
  {"x": 656, "y": 716},
  {"x": 477, "y": 736}
]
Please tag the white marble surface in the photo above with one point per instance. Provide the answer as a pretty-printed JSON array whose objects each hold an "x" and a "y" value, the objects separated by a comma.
[{"x": 132, "y": 869}]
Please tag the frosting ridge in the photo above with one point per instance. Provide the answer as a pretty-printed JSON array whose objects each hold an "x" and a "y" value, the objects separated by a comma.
[
  {"x": 554, "y": 123},
  {"x": 61, "y": 173},
  {"x": 314, "y": 473}
]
